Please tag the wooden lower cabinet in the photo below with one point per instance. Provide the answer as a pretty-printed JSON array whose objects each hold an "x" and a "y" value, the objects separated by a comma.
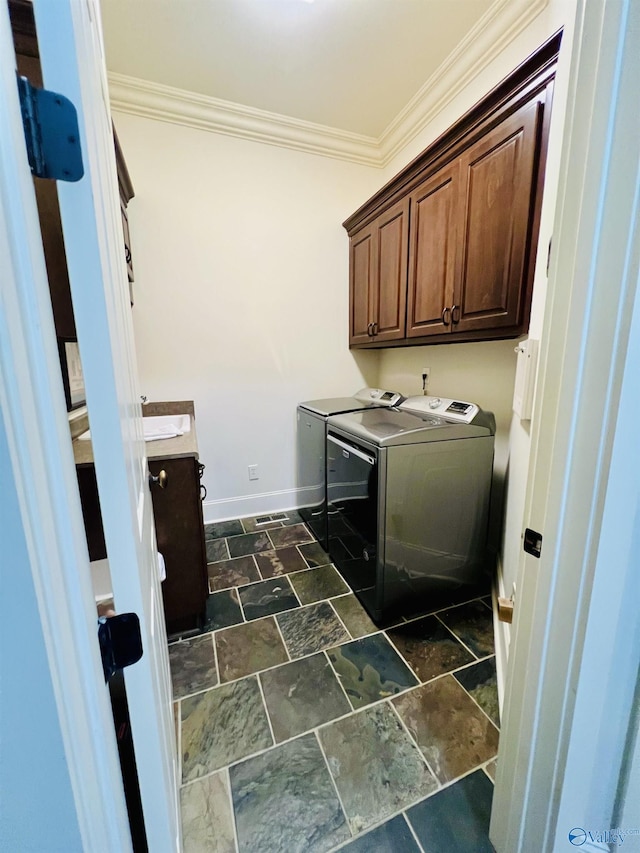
[
  {"x": 177, "y": 510},
  {"x": 180, "y": 534}
]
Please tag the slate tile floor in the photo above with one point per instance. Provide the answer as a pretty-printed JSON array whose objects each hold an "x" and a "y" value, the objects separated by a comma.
[{"x": 303, "y": 726}]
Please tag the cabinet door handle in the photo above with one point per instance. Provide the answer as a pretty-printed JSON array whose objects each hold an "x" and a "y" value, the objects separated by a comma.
[
  {"x": 161, "y": 480},
  {"x": 455, "y": 318},
  {"x": 374, "y": 328},
  {"x": 446, "y": 314},
  {"x": 369, "y": 328}
]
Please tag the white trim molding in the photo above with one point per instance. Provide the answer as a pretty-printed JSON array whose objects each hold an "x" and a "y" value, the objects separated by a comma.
[
  {"x": 264, "y": 503},
  {"x": 499, "y": 26},
  {"x": 503, "y": 22},
  {"x": 202, "y": 112}
]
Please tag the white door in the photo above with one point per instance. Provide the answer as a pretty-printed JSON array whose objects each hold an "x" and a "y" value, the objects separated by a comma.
[{"x": 72, "y": 61}]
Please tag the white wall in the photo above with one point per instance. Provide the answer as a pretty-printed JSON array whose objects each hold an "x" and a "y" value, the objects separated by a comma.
[
  {"x": 485, "y": 372},
  {"x": 241, "y": 295}
]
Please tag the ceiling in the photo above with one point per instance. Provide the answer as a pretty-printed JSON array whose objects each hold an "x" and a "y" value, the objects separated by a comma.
[{"x": 347, "y": 64}]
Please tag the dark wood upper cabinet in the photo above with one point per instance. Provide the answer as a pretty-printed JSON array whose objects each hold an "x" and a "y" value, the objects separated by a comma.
[
  {"x": 446, "y": 250},
  {"x": 496, "y": 192},
  {"x": 378, "y": 273},
  {"x": 432, "y": 253}
]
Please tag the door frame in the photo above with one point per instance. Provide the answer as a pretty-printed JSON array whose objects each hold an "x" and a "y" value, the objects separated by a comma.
[
  {"x": 575, "y": 653},
  {"x": 32, "y": 400}
]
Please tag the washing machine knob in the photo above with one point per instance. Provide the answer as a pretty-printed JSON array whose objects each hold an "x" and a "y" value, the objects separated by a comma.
[{"x": 433, "y": 404}]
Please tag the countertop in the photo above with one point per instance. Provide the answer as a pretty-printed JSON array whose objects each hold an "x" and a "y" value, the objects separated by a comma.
[{"x": 169, "y": 448}]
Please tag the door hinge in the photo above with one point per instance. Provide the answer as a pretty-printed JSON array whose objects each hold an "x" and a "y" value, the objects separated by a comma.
[
  {"x": 532, "y": 542},
  {"x": 120, "y": 642},
  {"x": 51, "y": 132}
]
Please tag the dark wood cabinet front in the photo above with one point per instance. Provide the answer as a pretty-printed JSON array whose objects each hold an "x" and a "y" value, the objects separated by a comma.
[
  {"x": 498, "y": 180},
  {"x": 445, "y": 251},
  {"x": 177, "y": 510},
  {"x": 378, "y": 277},
  {"x": 432, "y": 253}
]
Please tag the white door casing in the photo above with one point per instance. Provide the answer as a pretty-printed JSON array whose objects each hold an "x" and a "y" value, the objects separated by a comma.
[
  {"x": 33, "y": 409},
  {"x": 557, "y": 767},
  {"x": 72, "y": 58}
]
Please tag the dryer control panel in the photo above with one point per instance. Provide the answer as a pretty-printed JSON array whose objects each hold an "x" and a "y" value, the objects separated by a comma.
[
  {"x": 444, "y": 407},
  {"x": 379, "y": 396}
]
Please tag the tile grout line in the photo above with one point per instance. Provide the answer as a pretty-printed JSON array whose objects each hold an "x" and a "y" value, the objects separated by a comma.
[
  {"x": 266, "y": 711},
  {"x": 475, "y": 701},
  {"x": 412, "y": 831},
  {"x": 456, "y": 637},
  {"x": 339, "y": 680},
  {"x": 232, "y": 810},
  {"x": 215, "y": 657},
  {"x": 316, "y": 734},
  {"x": 415, "y": 743},
  {"x": 284, "y": 642},
  {"x": 339, "y": 618}
]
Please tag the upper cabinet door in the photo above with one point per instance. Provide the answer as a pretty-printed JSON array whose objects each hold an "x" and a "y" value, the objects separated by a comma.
[
  {"x": 432, "y": 253},
  {"x": 389, "y": 296},
  {"x": 497, "y": 187},
  {"x": 362, "y": 269}
]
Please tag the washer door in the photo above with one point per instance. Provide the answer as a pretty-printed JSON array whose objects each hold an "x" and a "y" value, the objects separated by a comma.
[{"x": 352, "y": 514}]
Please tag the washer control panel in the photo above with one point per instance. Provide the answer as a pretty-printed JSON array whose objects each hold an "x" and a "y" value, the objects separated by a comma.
[
  {"x": 453, "y": 410},
  {"x": 379, "y": 396}
]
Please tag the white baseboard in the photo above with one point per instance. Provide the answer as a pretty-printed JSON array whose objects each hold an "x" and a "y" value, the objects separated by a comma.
[
  {"x": 261, "y": 504},
  {"x": 502, "y": 634}
]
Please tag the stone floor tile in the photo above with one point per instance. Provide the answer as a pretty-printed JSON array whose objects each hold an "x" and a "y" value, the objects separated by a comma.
[
  {"x": 370, "y": 669},
  {"x": 222, "y": 610},
  {"x": 193, "y": 665},
  {"x": 394, "y": 836},
  {"x": 428, "y": 647},
  {"x": 355, "y": 617},
  {"x": 278, "y": 562},
  {"x": 267, "y": 597},
  {"x": 456, "y": 819},
  {"x": 453, "y": 733},
  {"x": 221, "y": 726},
  {"x": 314, "y": 554},
  {"x": 294, "y": 534},
  {"x": 473, "y": 624},
  {"x": 207, "y": 822},
  {"x": 220, "y": 529},
  {"x": 317, "y": 584},
  {"x": 377, "y": 769},
  {"x": 302, "y": 695},
  {"x": 248, "y": 543},
  {"x": 247, "y": 648},
  {"x": 228, "y": 573},
  {"x": 480, "y": 680},
  {"x": 311, "y": 629},
  {"x": 284, "y": 801}
]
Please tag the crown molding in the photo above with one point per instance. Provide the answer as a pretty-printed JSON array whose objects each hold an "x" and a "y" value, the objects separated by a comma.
[
  {"x": 501, "y": 24},
  {"x": 498, "y": 27},
  {"x": 178, "y": 106}
]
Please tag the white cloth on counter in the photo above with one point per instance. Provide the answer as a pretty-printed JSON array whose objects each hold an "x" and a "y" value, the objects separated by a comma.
[{"x": 162, "y": 569}]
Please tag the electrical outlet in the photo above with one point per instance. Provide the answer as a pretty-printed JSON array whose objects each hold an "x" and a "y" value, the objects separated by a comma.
[
  {"x": 426, "y": 375},
  {"x": 253, "y": 472}
]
